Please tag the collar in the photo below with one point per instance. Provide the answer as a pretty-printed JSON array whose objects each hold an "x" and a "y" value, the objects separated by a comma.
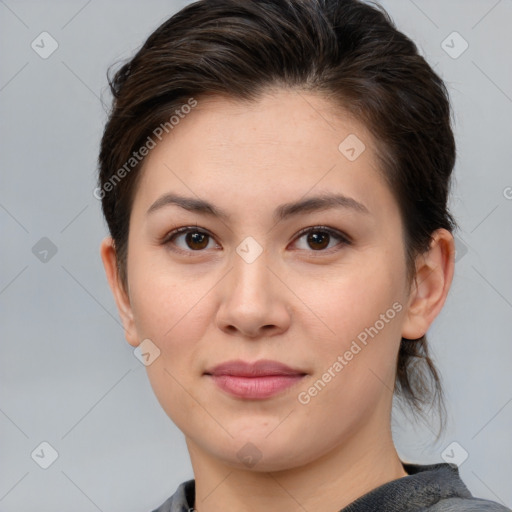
[{"x": 424, "y": 486}]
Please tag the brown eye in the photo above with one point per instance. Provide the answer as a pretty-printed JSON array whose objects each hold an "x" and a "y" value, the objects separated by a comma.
[
  {"x": 188, "y": 239},
  {"x": 320, "y": 238},
  {"x": 196, "y": 240}
]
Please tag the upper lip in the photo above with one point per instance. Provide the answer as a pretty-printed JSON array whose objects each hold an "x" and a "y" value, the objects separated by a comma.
[{"x": 256, "y": 369}]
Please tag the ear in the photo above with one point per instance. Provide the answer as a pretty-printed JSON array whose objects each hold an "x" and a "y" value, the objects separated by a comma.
[
  {"x": 108, "y": 256},
  {"x": 434, "y": 274}
]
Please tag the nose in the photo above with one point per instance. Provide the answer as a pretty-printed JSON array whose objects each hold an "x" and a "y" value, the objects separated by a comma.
[{"x": 253, "y": 300}]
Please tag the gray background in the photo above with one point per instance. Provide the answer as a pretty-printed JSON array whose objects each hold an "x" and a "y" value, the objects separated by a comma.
[{"x": 68, "y": 376}]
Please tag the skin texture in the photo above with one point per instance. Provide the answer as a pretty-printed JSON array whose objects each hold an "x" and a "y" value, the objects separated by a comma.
[{"x": 298, "y": 303}]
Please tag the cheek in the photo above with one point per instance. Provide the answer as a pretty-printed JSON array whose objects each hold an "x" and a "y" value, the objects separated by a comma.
[
  {"x": 356, "y": 364},
  {"x": 164, "y": 297},
  {"x": 170, "y": 311},
  {"x": 361, "y": 312},
  {"x": 352, "y": 298}
]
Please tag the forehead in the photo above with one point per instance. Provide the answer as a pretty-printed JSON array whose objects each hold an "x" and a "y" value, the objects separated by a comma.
[{"x": 286, "y": 143}]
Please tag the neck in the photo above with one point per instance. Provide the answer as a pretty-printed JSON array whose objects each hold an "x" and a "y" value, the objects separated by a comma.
[{"x": 356, "y": 465}]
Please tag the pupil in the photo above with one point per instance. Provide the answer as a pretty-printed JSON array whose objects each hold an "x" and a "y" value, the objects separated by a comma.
[
  {"x": 317, "y": 238},
  {"x": 197, "y": 238}
]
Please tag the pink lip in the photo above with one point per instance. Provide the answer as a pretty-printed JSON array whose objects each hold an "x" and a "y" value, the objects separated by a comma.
[{"x": 258, "y": 380}]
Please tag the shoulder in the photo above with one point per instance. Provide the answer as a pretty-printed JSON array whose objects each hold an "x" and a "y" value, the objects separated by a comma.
[
  {"x": 467, "y": 505},
  {"x": 439, "y": 488},
  {"x": 181, "y": 501}
]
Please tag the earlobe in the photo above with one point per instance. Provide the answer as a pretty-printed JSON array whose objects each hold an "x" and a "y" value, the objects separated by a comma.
[
  {"x": 108, "y": 256},
  {"x": 434, "y": 274}
]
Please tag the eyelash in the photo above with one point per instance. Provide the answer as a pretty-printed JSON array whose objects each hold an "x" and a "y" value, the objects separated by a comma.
[{"x": 343, "y": 239}]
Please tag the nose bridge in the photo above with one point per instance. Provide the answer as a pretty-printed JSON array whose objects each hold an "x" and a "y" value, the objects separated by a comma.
[
  {"x": 251, "y": 299},
  {"x": 251, "y": 277}
]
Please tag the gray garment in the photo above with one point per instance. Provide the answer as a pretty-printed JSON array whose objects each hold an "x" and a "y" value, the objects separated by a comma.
[{"x": 432, "y": 488}]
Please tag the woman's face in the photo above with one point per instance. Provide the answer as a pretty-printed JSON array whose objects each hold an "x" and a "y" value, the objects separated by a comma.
[{"x": 250, "y": 286}]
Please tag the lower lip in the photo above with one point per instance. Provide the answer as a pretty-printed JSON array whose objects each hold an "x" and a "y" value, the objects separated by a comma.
[{"x": 255, "y": 387}]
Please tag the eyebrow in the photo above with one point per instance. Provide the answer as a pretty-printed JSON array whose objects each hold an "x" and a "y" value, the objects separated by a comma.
[{"x": 282, "y": 212}]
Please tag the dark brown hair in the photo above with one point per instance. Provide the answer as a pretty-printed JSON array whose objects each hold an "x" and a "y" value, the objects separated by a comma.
[{"x": 346, "y": 50}]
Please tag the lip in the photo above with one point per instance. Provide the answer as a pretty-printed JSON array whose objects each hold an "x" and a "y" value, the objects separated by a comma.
[
  {"x": 259, "y": 380},
  {"x": 261, "y": 368}
]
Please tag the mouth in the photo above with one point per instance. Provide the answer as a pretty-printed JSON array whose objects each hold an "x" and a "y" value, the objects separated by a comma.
[{"x": 259, "y": 380}]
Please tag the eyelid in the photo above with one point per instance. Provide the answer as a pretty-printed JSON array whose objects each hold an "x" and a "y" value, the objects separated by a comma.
[
  {"x": 342, "y": 237},
  {"x": 331, "y": 231},
  {"x": 184, "y": 230}
]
